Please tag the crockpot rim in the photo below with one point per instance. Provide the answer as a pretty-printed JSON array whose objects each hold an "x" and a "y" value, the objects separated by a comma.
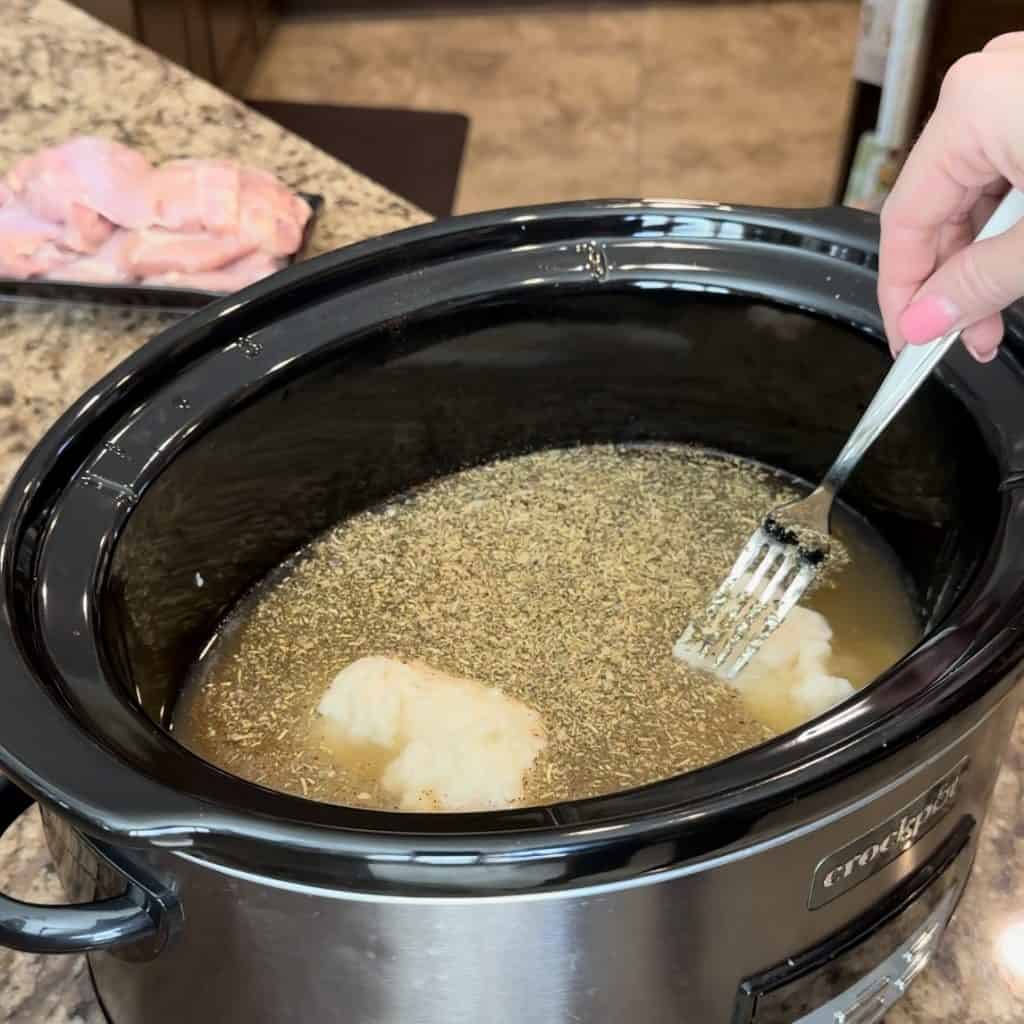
[{"x": 836, "y": 227}]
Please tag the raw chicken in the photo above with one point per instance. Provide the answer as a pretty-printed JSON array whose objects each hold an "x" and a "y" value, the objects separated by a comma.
[
  {"x": 447, "y": 744},
  {"x": 231, "y": 278},
  {"x": 159, "y": 251},
  {"x": 107, "y": 265},
  {"x": 195, "y": 195},
  {"x": 88, "y": 185},
  {"x": 788, "y": 681},
  {"x": 269, "y": 215},
  {"x": 221, "y": 197},
  {"x": 81, "y": 229},
  {"x": 28, "y": 244},
  {"x": 94, "y": 210}
]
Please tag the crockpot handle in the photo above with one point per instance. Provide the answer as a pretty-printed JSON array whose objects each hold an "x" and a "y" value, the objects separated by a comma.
[{"x": 77, "y": 928}]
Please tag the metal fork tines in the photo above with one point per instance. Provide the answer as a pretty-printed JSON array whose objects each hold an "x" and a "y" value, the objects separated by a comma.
[
  {"x": 776, "y": 566},
  {"x": 767, "y": 580}
]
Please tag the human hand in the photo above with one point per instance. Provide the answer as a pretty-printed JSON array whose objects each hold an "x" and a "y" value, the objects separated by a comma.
[{"x": 932, "y": 276}]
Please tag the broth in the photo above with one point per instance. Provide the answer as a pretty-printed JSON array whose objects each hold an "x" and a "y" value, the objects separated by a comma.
[{"x": 563, "y": 578}]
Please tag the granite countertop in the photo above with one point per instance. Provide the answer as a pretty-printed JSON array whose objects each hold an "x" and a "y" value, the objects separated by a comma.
[{"x": 63, "y": 73}]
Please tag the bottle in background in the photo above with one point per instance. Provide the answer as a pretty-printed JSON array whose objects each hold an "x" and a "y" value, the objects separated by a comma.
[
  {"x": 880, "y": 153},
  {"x": 959, "y": 27},
  {"x": 876, "y": 17}
]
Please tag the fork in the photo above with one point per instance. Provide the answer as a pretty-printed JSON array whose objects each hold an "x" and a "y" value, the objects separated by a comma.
[{"x": 785, "y": 554}]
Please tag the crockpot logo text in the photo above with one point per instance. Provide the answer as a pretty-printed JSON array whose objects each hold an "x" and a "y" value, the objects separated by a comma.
[{"x": 866, "y": 856}]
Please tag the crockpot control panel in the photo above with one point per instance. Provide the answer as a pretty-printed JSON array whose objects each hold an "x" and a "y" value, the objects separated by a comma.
[{"x": 855, "y": 976}]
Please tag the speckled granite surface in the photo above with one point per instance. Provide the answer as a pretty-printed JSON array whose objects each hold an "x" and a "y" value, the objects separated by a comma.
[{"x": 60, "y": 73}]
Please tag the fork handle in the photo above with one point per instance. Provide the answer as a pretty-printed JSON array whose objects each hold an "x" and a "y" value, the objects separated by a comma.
[{"x": 911, "y": 368}]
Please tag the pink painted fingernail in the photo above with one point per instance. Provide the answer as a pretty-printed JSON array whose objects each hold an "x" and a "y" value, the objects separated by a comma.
[{"x": 928, "y": 318}]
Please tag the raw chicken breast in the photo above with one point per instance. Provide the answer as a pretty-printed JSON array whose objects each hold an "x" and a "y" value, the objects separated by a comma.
[
  {"x": 447, "y": 744},
  {"x": 223, "y": 198},
  {"x": 107, "y": 265},
  {"x": 158, "y": 251},
  {"x": 81, "y": 229},
  {"x": 195, "y": 195},
  {"x": 94, "y": 210},
  {"x": 270, "y": 216},
  {"x": 788, "y": 681},
  {"x": 28, "y": 244},
  {"x": 88, "y": 184},
  {"x": 231, "y": 278}
]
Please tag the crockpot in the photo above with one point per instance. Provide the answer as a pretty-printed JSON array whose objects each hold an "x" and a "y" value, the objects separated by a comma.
[{"x": 808, "y": 879}]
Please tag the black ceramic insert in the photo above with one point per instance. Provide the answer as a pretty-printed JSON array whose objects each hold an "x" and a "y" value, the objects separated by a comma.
[{"x": 239, "y": 434}]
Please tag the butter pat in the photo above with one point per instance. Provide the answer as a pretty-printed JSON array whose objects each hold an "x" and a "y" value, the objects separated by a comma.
[
  {"x": 788, "y": 681},
  {"x": 444, "y": 743},
  {"x": 795, "y": 658}
]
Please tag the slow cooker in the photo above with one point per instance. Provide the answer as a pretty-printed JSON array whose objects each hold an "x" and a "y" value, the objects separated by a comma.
[{"x": 807, "y": 880}]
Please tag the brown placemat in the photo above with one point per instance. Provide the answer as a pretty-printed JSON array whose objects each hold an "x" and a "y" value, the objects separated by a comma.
[{"x": 414, "y": 153}]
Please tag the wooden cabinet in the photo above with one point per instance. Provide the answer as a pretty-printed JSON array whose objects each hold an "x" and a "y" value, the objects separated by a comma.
[
  {"x": 219, "y": 40},
  {"x": 162, "y": 27},
  {"x": 232, "y": 36},
  {"x": 119, "y": 13},
  {"x": 959, "y": 27},
  {"x": 265, "y": 13},
  {"x": 200, "y": 43},
  {"x": 962, "y": 27}
]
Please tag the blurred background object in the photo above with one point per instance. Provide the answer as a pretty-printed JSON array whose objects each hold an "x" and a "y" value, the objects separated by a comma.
[
  {"x": 759, "y": 101},
  {"x": 219, "y": 40},
  {"x": 734, "y": 101},
  {"x": 899, "y": 33},
  {"x": 904, "y": 49}
]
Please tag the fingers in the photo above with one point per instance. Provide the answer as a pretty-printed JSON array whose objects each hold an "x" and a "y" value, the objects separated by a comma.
[
  {"x": 1007, "y": 41},
  {"x": 970, "y": 288},
  {"x": 982, "y": 339},
  {"x": 970, "y": 148},
  {"x": 953, "y": 237},
  {"x": 985, "y": 207},
  {"x": 928, "y": 201}
]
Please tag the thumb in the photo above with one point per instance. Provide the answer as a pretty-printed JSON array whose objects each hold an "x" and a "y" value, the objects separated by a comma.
[{"x": 971, "y": 287}]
